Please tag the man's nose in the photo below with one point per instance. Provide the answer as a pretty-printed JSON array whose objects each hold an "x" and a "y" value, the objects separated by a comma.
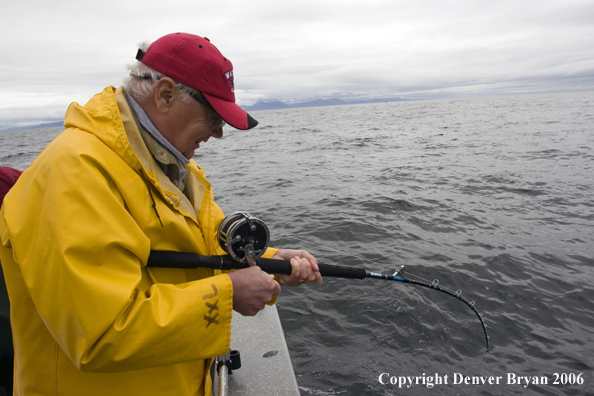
[{"x": 217, "y": 134}]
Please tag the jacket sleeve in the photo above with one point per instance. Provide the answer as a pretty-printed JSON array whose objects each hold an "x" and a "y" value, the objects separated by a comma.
[{"x": 81, "y": 251}]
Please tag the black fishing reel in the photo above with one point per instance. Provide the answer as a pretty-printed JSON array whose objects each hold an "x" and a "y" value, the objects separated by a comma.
[{"x": 242, "y": 235}]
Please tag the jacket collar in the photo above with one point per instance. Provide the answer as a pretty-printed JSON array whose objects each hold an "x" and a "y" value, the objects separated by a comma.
[{"x": 153, "y": 172}]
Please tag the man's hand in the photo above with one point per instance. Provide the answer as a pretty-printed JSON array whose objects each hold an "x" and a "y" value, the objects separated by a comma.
[
  {"x": 304, "y": 265},
  {"x": 252, "y": 289}
]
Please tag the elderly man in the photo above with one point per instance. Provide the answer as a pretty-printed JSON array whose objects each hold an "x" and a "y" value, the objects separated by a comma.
[{"x": 88, "y": 316}]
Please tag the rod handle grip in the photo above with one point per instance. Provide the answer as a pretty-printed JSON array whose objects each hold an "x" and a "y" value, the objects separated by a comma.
[
  {"x": 337, "y": 271},
  {"x": 169, "y": 259}
]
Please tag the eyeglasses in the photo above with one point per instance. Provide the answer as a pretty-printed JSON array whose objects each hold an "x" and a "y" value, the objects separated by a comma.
[{"x": 216, "y": 122}]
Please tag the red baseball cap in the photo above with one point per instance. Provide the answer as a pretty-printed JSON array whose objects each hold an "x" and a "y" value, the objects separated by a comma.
[{"x": 194, "y": 61}]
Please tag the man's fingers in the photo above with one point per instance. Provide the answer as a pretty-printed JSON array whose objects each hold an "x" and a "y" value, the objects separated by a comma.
[
  {"x": 295, "y": 269},
  {"x": 318, "y": 281},
  {"x": 312, "y": 260},
  {"x": 304, "y": 267},
  {"x": 303, "y": 271},
  {"x": 252, "y": 290}
]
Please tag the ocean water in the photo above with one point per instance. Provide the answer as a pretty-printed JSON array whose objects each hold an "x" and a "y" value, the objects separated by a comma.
[{"x": 491, "y": 196}]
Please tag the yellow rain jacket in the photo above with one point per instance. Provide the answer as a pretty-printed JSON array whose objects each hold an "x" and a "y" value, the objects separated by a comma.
[{"x": 76, "y": 230}]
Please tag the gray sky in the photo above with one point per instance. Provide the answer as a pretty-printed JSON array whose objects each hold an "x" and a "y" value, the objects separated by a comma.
[{"x": 55, "y": 52}]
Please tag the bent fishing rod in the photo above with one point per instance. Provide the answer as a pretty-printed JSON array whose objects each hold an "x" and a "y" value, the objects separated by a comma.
[{"x": 245, "y": 238}]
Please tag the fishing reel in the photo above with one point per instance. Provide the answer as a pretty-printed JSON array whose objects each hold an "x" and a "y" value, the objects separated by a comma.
[{"x": 242, "y": 235}]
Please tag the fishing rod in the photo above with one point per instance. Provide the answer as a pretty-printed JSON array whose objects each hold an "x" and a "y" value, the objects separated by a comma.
[{"x": 245, "y": 238}]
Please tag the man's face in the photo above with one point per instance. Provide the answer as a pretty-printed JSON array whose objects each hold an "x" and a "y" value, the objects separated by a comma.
[{"x": 191, "y": 125}]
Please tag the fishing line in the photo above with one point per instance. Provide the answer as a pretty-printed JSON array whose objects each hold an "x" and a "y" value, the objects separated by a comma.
[
  {"x": 435, "y": 286},
  {"x": 480, "y": 373},
  {"x": 245, "y": 238}
]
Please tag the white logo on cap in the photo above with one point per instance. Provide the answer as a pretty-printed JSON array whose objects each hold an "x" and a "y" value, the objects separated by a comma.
[{"x": 229, "y": 76}]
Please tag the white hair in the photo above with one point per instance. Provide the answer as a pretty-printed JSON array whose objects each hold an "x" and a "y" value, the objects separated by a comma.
[{"x": 141, "y": 81}]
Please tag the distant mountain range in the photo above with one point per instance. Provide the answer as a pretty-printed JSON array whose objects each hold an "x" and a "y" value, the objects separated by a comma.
[
  {"x": 266, "y": 104},
  {"x": 45, "y": 125},
  {"x": 273, "y": 104}
]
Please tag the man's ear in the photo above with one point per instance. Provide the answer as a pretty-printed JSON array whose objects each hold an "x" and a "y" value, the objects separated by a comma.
[{"x": 163, "y": 94}]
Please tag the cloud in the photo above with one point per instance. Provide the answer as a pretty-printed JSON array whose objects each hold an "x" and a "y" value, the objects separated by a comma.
[{"x": 57, "y": 52}]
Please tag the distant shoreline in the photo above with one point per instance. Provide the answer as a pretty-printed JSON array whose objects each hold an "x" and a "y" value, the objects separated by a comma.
[
  {"x": 44, "y": 125},
  {"x": 273, "y": 104},
  {"x": 260, "y": 105}
]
